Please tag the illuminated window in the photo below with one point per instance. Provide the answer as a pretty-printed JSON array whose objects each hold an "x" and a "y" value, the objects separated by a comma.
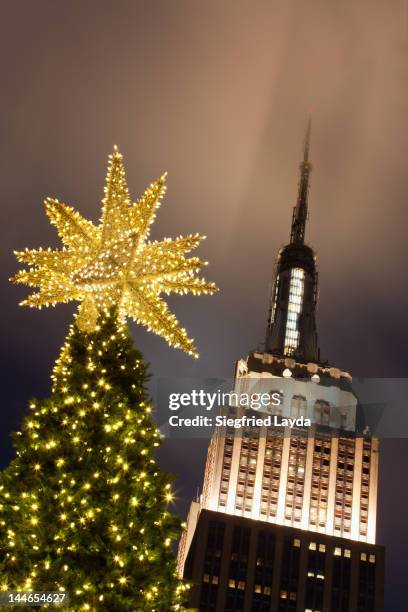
[
  {"x": 347, "y": 552},
  {"x": 363, "y": 557},
  {"x": 344, "y": 487},
  {"x": 296, "y": 480},
  {"x": 337, "y": 551},
  {"x": 283, "y": 595},
  {"x": 296, "y": 542},
  {"x": 312, "y": 546},
  {"x": 296, "y": 290},
  {"x": 322, "y": 547},
  {"x": 372, "y": 558},
  {"x": 231, "y": 583},
  {"x": 258, "y": 588}
]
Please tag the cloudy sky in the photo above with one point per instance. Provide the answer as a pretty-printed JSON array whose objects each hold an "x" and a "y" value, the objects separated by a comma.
[{"x": 218, "y": 94}]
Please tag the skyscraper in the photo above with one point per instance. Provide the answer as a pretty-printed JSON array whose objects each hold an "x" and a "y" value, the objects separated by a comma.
[{"x": 287, "y": 516}]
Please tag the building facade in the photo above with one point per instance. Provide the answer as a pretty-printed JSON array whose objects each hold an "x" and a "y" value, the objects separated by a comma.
[
  {"x": 240, "y": 564},
  {"x": 300, "y": 500}
]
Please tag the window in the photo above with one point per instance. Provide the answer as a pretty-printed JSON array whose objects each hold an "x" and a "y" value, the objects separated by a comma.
[
  {"x": 322, "y": 412},
  {"x": 246, "y": 475},
  {"x": 296, "y": 290},
  {"x": 320, "y": 481},
  {"x": 340, "y": 596},
  {"x": 298, "y": 406},
  {"x": 226, "y": 469},
  {"x": 344, "y": 487},
  {"x": 366, "y": 582},
  {"x": 237, "y": 569},
  {"x": 296, "y": 480},
  {"x": 212, "y": 565},
  {"x": 289, "y": 576},
  {"x": 316, "y": 559},
  {"x": 270, "y": 476},
  {"x": 265, "y": 556}
]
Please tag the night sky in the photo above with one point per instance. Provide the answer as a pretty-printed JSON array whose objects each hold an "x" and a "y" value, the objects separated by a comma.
[{"x": 218, "y": 94}]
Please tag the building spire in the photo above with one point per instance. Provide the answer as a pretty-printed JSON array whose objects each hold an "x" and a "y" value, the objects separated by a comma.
[
  {"x": 299, "y": 217},
  {"x": 291, "y": 330}
]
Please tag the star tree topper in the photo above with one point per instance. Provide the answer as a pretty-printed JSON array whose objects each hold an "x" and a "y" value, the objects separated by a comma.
[{"x": 113, "y": 264}]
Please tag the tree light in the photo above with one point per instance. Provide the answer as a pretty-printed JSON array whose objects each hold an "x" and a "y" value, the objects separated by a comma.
[{"x": 113, "y": 264}]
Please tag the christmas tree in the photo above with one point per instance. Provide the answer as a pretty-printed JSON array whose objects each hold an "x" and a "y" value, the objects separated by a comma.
[
  {"x": 84, "y": 504},
  {"x": 84, "y": 507}
]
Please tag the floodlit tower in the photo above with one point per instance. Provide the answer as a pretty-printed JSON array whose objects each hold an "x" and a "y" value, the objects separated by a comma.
[{"x": 287, "y": 516}]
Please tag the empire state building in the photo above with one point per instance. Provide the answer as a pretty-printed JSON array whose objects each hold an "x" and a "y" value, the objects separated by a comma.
[{"x": 287, "y": 516}]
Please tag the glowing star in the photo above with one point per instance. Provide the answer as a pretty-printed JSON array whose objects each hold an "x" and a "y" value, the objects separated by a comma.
[{"x": 113, "y": 264}]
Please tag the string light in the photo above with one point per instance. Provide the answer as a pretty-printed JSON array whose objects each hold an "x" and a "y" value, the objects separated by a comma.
[
  {"x": 92, "y": 463},
  {"x": 113, "y": 264}
]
